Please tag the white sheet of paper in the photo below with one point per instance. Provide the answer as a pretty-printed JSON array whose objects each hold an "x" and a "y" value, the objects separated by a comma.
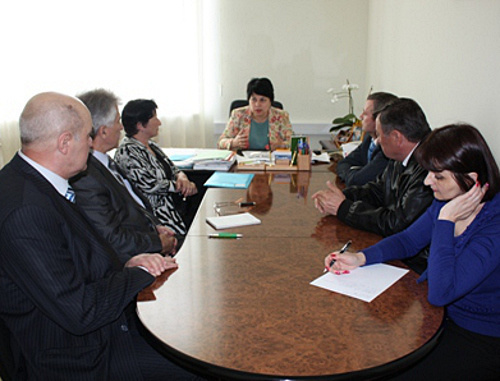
[
  {"x": 324, "y": 157},
  {"x": 233, "y": 221},
  {"x": 365, "y": 283}
]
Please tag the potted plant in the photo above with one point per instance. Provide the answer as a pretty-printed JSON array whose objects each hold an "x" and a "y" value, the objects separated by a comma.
[{"x": 348, "y": 127}]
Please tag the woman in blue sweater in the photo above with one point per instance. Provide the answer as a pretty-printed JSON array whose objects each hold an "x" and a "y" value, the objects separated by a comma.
[{"x": 462, "y": 227}]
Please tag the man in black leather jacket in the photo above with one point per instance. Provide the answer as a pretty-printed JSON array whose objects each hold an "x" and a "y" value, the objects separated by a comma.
[{"x": 398, "y": 196}]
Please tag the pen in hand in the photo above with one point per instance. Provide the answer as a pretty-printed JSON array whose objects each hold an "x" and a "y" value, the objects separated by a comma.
[{"x": 342, "y": 250}]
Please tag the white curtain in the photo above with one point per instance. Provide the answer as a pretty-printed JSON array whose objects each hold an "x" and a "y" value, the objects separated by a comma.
[
  {"x": 9, "y": 141},
  {"x": 154, "y": 49}
]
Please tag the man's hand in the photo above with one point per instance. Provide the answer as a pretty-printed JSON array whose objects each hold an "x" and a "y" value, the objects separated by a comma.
[
  {"x": 164, "y": 230},
  {"x": 168, "y": 240},
  {"x": 154, "y": 263},
  {"x": 328, "y": 201},
  {"x": 184, "y": 186},
  {"x": 168, "y": 244}
]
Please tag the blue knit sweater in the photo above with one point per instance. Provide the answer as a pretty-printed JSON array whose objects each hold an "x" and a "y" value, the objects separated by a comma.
[{"x": 463, "y": 272}]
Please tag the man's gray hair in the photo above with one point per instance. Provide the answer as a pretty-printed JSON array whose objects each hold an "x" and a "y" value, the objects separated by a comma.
[{"x": 101, "y": 104}]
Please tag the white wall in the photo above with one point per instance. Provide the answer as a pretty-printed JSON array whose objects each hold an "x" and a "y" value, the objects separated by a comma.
[
  {"x": 304, "y": 47},
  {"x": 445, "y": 54}
]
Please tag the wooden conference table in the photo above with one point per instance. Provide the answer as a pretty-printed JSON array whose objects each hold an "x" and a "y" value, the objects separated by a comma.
[{"x": 244, "y": 309}]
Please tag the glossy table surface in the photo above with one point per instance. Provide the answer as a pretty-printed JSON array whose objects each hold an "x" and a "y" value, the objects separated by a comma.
[{"x": 244, "y": 309}]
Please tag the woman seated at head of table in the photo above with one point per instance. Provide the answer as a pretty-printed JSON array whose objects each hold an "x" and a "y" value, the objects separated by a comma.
[
  {"x": 258, "y": 126},
  {"x": 462, "y": 227},
  {"x": 147, "y": 166}
]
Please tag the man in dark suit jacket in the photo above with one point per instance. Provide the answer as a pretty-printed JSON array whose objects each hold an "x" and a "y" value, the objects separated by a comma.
[
  {"x": 368, "y": 160},
  {"x": 110, "y": 202},
  {"x": 65, "y": 295}
]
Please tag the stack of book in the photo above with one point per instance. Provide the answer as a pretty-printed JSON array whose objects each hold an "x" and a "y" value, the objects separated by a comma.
[
  {"x": 229, "y": 180},
  {"x": 214, "y": 160},
  {"x": 254, "y": 160}
]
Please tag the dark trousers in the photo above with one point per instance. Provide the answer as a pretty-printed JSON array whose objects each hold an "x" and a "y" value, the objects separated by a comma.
[
  {"x": 459, "y": 355},
  {"x": 153, "y": 365}
]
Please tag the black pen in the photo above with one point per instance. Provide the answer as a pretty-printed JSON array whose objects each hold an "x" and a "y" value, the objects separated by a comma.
[
  {"x": 231, "y": 203},
  {"x": 245, "y": 204},
  {"x": 343, "y": 250}
]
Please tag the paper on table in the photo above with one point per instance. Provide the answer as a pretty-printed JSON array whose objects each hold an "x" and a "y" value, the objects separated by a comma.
[
  {"x": 365, "y": 283},
  {"x": 235, "y": 220},
  {"x": 321, "y": 158},
  {"x": 212, "y": 155},
  {"x": 181, "y": 157}
]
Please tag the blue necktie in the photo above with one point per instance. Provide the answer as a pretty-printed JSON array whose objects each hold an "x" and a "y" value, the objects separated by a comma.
[
  {"x": 371, "y": 149},
  {"x": 70, "y": 195}
]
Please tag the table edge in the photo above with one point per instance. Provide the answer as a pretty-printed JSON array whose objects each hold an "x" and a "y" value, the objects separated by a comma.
[{"x": 207, "y": 369}]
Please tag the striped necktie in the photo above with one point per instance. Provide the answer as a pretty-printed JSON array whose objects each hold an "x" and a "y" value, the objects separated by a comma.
[{"x": 70, "y": 195}]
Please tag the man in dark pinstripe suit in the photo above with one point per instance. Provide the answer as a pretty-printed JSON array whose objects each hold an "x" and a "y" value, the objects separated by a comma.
[{"x": 65, "y": 297}]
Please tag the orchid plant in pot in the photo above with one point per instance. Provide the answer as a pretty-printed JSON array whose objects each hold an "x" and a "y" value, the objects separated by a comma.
[{"x": 348, "y": 127}]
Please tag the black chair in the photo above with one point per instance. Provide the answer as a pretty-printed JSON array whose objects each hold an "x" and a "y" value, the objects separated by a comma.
[
  {"x": 243, "y": 102},
  {"x": 6, "y": 357}
]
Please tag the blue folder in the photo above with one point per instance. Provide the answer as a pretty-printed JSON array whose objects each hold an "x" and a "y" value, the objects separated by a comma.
[{"x": 229, "y": 180}]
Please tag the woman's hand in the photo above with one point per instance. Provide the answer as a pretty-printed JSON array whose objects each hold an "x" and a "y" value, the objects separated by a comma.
[
  {"x": 240, "y": 141},
  {"x": 343, "y": 263},
  {"x": 184, "y": 186},
  {"x": 463, "y": 206}
]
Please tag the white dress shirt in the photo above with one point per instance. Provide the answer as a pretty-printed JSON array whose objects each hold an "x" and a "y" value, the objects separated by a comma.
[{"x": 61, "y": 185}]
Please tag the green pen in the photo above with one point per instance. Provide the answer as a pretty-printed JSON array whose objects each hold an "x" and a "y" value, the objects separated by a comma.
[{"x": 225, "y": 235}]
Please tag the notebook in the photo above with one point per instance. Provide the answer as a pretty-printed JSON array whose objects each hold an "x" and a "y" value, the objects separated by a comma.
[
  {"x": 229, "y": 180},
  {"x": 233, "y": 221}
]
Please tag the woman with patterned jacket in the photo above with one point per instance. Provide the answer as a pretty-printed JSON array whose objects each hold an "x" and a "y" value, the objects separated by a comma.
[
  {"x": 145, "y": 164},
  {"x": 258, "y": 126}
]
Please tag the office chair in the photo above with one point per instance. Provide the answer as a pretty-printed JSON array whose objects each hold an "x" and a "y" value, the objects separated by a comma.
[{"x": 243, "y": 102}]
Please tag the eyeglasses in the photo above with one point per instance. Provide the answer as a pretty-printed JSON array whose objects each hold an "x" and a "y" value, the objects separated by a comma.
[{"x": 225, "y": 208}]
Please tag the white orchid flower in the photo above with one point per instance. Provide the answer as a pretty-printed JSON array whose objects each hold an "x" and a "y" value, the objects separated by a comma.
[{"x": 350, "y": 86}]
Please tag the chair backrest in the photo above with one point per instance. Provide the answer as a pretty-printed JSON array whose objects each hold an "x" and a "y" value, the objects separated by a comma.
[{"x": 243, "y": 102}]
